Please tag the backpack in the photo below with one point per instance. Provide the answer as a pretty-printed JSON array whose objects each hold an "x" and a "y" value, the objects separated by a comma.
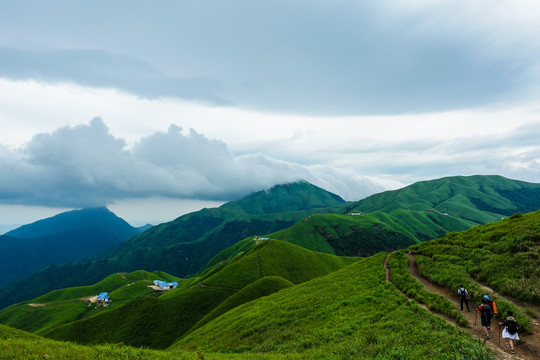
[
  {"x": 462, "y": 293},
  {"x": 511, "y": 325},
  {"x": 486, "y": 312}
]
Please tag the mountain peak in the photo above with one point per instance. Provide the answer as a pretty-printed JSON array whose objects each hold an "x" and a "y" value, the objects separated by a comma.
[{"x": 300, "y": 195}]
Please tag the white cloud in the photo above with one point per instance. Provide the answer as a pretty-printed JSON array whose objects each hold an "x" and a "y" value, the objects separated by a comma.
[{"x": 86, "y": 165}]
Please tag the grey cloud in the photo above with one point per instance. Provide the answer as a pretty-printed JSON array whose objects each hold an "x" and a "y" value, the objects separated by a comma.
[
  {"x": 87, "y": 166},
  {"x": 98, "y": 68},
  {"x": 311, "y": 57}
]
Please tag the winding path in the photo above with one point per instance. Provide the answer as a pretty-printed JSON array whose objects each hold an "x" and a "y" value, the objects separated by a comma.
[{"x": 529, "y": 350}]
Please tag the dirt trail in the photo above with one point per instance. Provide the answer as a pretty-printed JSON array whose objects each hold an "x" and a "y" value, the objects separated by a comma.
[
  {"x": 528, "y": 347},
  {"x": 423, "y": 306}
]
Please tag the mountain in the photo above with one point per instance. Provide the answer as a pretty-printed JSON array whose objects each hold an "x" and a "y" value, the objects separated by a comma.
[
  {"x": 397, "y": 219},
  {"x": 478, "y": 199},
  {"x": 183, "y": 246},
  {"x": 278, "y": 301},
  {"x": 75, "y": 220},
  {"x": 158, "y": 321},
  {"x": 66, "y": 237}
]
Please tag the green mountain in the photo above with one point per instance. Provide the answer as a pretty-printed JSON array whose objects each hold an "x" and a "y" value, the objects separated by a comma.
[
  {"x": 183, "y": 246},
  {"x": 66, "y": 305},
  {"x": 315, "y": 306},
  {"x": 158, "y": 321},
  {"x": 66, "y": 237},
  {"x": 478, "y": 199},
  {"x": 397, "y": 219}
]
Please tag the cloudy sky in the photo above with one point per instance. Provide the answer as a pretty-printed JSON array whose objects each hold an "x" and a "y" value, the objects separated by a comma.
[{"x": 155, "y": 109}]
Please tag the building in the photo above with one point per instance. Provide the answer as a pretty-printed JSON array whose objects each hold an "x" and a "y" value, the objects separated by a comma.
[{"x": 165, "y": 285}]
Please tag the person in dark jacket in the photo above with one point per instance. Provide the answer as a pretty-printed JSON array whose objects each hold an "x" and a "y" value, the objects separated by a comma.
[
  {"x": 485, "y": 316},
  {"x": 464, "y": 297}
]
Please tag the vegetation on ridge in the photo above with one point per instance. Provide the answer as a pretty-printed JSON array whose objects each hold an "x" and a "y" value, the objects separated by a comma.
[
  {"x": 158, "y": 322},
  {"x": 349, "y": 314}
]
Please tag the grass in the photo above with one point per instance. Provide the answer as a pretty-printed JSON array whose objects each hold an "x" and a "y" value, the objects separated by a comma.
[
  {"x": 504, "y": 255},
  {"x": 20, "y": 345},
  {"x": 158, "y": 322},
  {"x": 66, "y": 305},
  {"x": 402, "y": 279},
  {"x": 349, "y": 314}
]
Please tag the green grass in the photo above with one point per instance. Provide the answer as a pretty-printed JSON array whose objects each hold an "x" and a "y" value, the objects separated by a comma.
[
  {"x": 157, "y": 322},
  {"x": 66, "y": 305},
  {"x": 504, "y": 255},
  {"x": 349, "y": 314},
  {"x": 478, "y": 199},
  {"x": 20, "y": 345},
  {"x": 402, "y": 279}
]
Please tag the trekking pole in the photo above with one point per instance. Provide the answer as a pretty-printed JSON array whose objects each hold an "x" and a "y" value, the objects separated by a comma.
[
  {"x": 475, "y": 315},
  {"x": 499, "y": 334}
]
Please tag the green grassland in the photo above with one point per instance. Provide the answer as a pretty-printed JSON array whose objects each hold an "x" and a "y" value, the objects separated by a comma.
[
  {"x": 403, "y": 280},
  {"x": 349, "y": 314},
  {"x": 353, "y": 235},
  {"x": 20, "y": 345},
  {"x": 478, "y": 199},
  {"x": 504, "y": 255},
  {"x": 158, "y": 321},
  {"x": 67, "y": 305}
]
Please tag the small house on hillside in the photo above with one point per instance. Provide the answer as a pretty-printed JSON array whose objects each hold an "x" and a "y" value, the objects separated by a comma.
[
  {"x": 103, "y": 298},
  {"x": 165, "y": 285}
]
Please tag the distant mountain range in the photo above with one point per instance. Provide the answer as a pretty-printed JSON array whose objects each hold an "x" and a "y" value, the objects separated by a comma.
[
  {"x": 302, "y": 214},
  {"x": 67, "y": 237}
]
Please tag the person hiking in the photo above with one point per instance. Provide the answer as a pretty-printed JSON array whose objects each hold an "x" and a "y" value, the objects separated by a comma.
[
  {"x": 464, "y": 297},
  {"x": 492, "y": 306},
  {"x": 485, "y": 316},
  {"x": 510, "y": 330}
]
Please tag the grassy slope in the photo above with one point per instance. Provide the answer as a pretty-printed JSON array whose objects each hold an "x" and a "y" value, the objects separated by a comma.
[
  {"x": 20, "y": 345},
  {"x": 65, "y": 305},
  {"x": 479, "y": 199},
  {"x": 396, "y": 219},
  {"x": 157, "y": 322},
  {"x": 351, "y": 313},
  {"x": 347, "y": 235},
  {"x": 505, "y": 255}
]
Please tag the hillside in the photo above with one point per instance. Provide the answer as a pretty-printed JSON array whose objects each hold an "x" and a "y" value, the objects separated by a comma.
[
  {"x": 504, "y": 255},
  {"x": 479, "y": 199},
  {"x": 349, "y": 314},
  {"x": 70, "y": 304},
  {"x": 157, "y": 322},
  {"x": 183, "y": 246},
  {"x": 396, "y": 219},
  {"x": 66, "y": 237}
]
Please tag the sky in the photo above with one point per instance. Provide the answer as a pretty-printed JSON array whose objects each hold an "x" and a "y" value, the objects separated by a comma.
[{"x": 158, "y": 109}]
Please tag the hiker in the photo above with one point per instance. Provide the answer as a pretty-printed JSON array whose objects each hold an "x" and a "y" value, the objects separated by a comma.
[
  {"x": 485, "y": 316},
  {"x": 464, "y": 297},
  {"x": 510, "y": 330},
  {"x": 492, "y": 306}
]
